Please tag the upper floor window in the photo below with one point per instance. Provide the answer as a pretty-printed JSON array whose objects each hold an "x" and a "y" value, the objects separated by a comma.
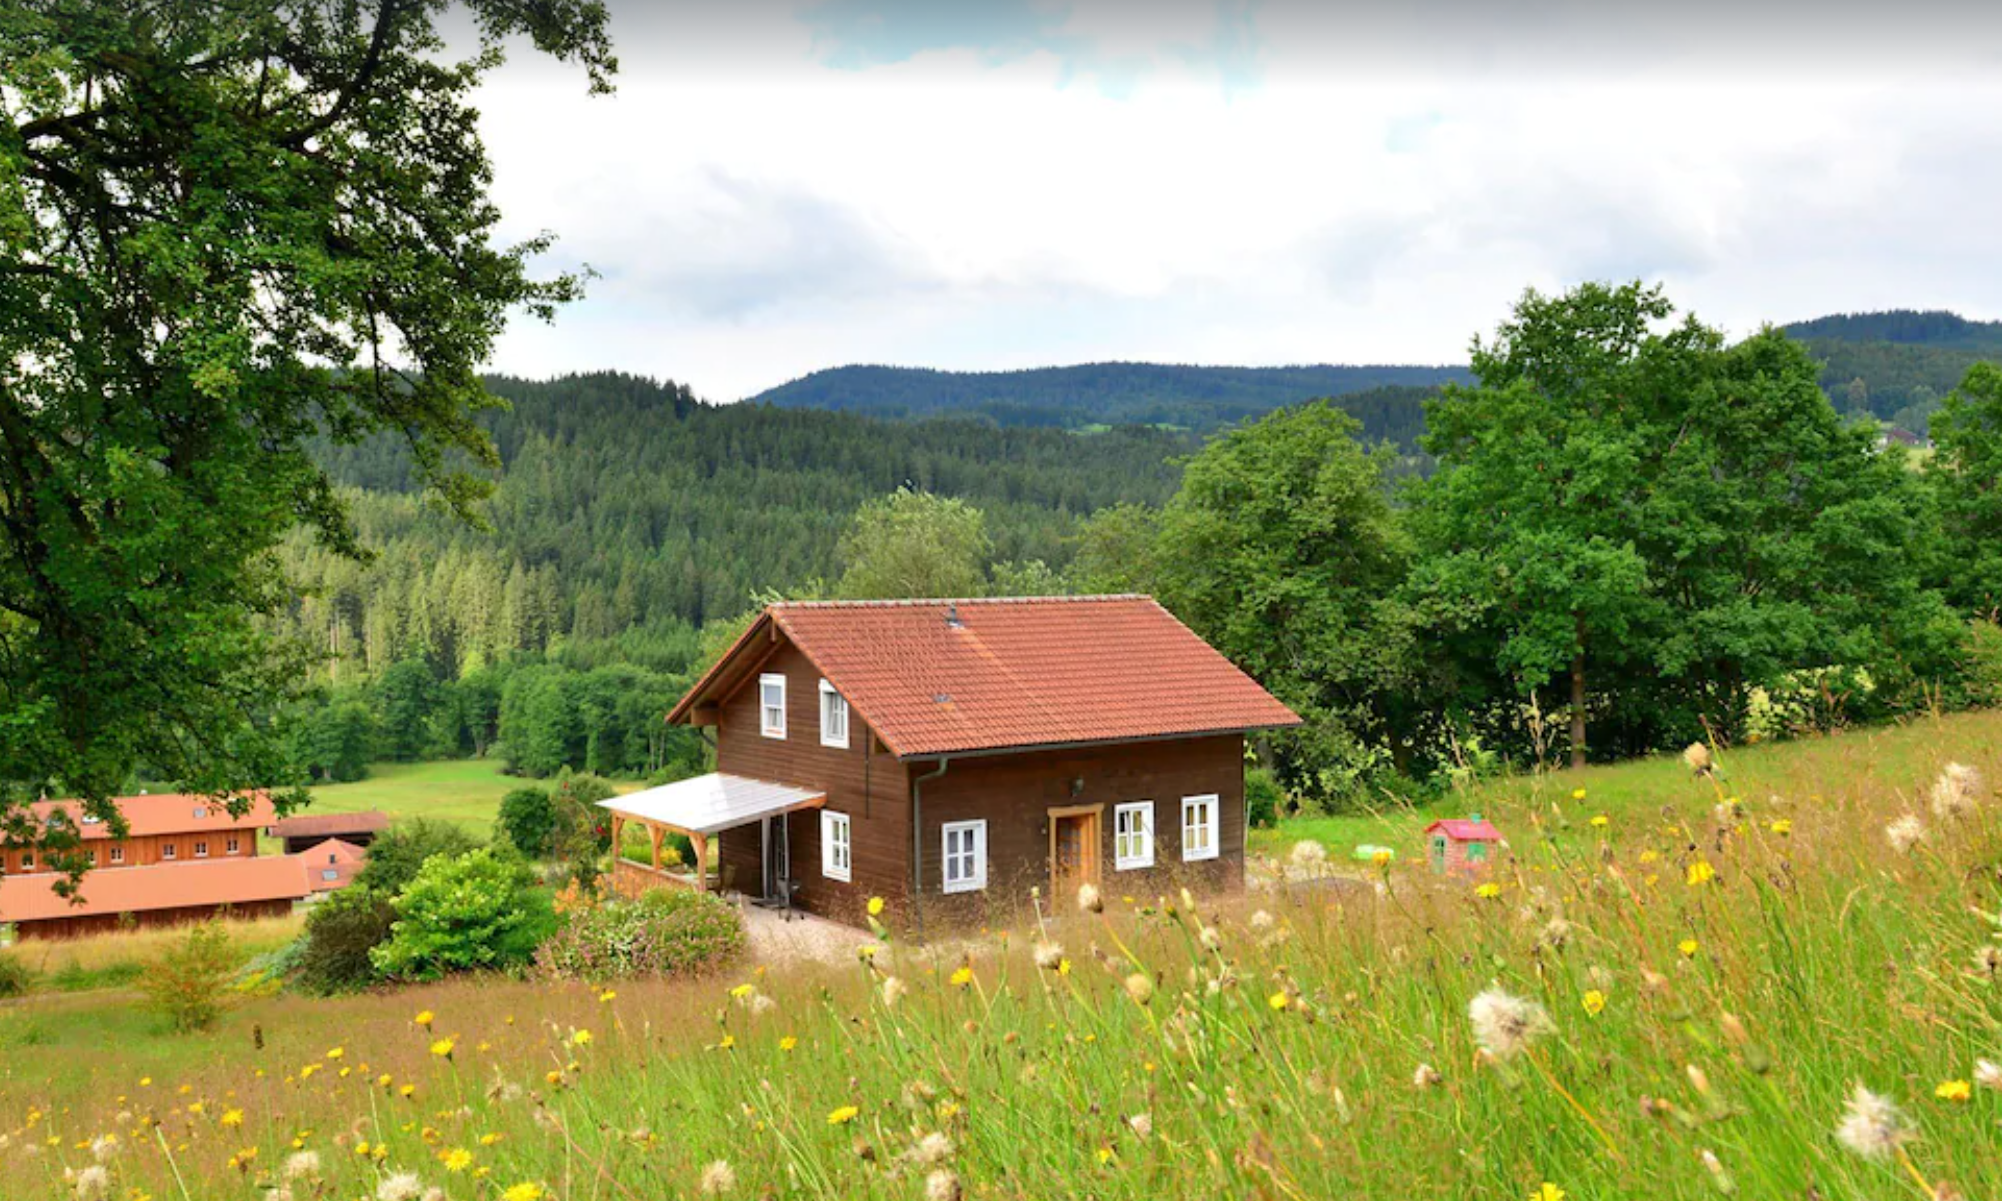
[
  {"x": 772, "y": 705},
  {"x": 965, "y": 856},
  {"x": 837, "y": 850},
  {"x": 1133, "y": 835},
  {"x": 1199, "y": 827},
  {"x": 833, "y": 716}
]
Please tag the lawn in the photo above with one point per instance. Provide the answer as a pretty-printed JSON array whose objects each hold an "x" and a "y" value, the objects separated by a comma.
[
  {"x": 1678, "y": 1003},
  {"x": 465, "y": 791}
]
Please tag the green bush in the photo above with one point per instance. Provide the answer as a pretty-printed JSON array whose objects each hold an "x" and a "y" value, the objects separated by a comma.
[
  {"x": 667, "y": 931},
  {"x": 189, "y": 985},
  {"x": 1263, "y": 798},
  {"x": 396, "y": 855},
  {"x": 481, "y": 910},
  {"x": 340, "y": 933},
  {"x": 16, "y": 977},
  {"x": 528, "y": 820}
]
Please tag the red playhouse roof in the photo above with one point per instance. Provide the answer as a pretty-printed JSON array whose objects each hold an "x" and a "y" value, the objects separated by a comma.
[
  {"x": 160, "y": 886},
  {"x": 331, "y": 864},
  {"x": 164, "y": 813},
  {"x": 1466, "y": 829},
  {"x": 933, "y": 677},
  {"x": 330, "y": 825}
]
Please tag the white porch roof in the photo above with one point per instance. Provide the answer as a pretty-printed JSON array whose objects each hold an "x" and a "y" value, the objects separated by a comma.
[{"x": 717, "y": 801}]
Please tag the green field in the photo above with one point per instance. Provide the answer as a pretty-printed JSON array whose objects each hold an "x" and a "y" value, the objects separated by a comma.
[{"x": 464, "y": 791}]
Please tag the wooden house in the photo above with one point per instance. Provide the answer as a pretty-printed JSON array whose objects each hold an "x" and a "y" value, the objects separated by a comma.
[
  {"x": 161, "y": 895},
  {"x": 1461, "y": 844},
  {"x": 160, "y": 828},
  {"x": 951, "y": 756},
  {"x": 304, "y": 831}
]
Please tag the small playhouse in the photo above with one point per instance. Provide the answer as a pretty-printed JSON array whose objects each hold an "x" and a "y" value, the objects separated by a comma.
[{"x": 1461, "y": 844}]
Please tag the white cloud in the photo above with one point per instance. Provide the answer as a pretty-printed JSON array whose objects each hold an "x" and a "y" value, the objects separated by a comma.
[{"x": 759, "y": 213}]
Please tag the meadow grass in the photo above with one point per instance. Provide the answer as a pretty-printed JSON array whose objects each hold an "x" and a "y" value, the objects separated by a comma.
[
  {"x": 1713, "y": 981},
  {"x": 466, "y": 792},
  {"x": 115, "y": 959}
]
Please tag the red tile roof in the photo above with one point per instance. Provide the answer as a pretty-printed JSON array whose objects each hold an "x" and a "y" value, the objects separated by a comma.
[
  {"x": 1466, "y": 830},
  {"x": 161, "y": 886},
  {"x": 331, "y": 864},
  {"x": 310, "y": 825},
  {"x": 164, "y": 813},
  {"x": 1013, "y": 673}
]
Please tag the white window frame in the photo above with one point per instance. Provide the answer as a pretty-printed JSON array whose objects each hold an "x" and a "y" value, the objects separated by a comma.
[
  {"x": 202, "y": 849},
  {"x": 27, "y": 861},
  {"x": 765, "y": 724},
  {"x": 837, "y": 846},
  {"x": 1210, "y": 827},
  {"x": 1133, "y": 849},
  {"x": 230, "y": 847},
  {"x": 118, "y": 854},
  {"x": 169, "y": 851},
  {"x": 975, "y": 834},
  {"x": 831, "y": 704}
]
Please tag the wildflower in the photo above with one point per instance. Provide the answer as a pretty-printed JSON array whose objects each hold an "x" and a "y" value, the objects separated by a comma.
[
  {"x": 942, "y": 1185},
  {"x": 403, "y": 1186},
  {"x": 104, "y": 1148},
  {"x": 743, "y": 990},
  {"x": 1048, "y": 955},
  {"x": 1688, "y": 948},
  {"x": 1426, "y": 1076},
  {"x": 875, "y": 906},
  {"x": 1956, "y": 793},
  {"x": 1140, "y": 986},
  {"x": 302, "y": 1164},
  {"x": 1547, "y": 1192},
  {"x": 788, "y": 1043},
  {"x": 424, "y": 1018},
  {"x": 1142, "y": 1125},
  {"x": 1488, "y": 891},
  {"x": 1505, "y": 1025},
  {"x": 962, "y": 977},
  {"x": 527, "y": 1190},
  {"x": 580, "y": 1038},
  {"x": 231, "y": 1118},
  {"x": 893, "y": 990},
  {"x": 337, "y": 1052},
  {"x": 1905, "y": 833},
  {"x": 1780, "y": 826},
  {"x": 1309, "y": 855},
  {"x": 1577, "y": 794},
  {"x": 1988, "y": 1073},
  {"x": 490, "y": 1138},
  {"x": 1872, "y": 1127},
  {"x": 1556, "y": 932},
  {"x": 1700, "y": 872},
  {"x": 931, "y": 1150},
  {"x": 1718, "y": 1176},
  {"x": 1697, "y": 757},
  {"x": 1602, "y": 821},
  {"x": 867, "y": 951},
  {"x": 1088, "y": 900},
  {"x": 458, "y": 1159},
  {"x": 1953, "y": 1090},
  {"x": 1278, "y": 1000},
  {"x": 842, "y": 1116},
  {"x": 718, "y": 1178},
  {"x": 728, "y": 1042},
  {"x": 1988, "y": 961},
  {"x": 443, "y": 1047},
  {"x": 93, "y": 1183},
  {"x": 407, "y": 1091},
  {"x": 1594, "y": 1001},
  {"x": 608, "y": 996},
  {"x": 1261, "y": 920}
]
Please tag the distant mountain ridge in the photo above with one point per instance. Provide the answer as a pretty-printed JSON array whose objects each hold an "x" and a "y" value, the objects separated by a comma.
[
  {"x": 1093, "y": 395},
  {"x": 1897, "y": 365},
  {"x": 1911, "y": 327}
]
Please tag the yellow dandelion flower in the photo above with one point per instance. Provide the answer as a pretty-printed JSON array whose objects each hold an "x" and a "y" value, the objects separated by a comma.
[
  {"x": 1593, "y": 1001},
  {"x": 842, "y": 1116},
  {"x": 443, "y": 1047},
  {"x": 1688, "y": 948},
  {"x": 490, "y": 1138},
  {"x": 1602, "y": 821},
  {"x": 458, "y": 1159},
  {"x": 337, "y": 1052},
  {"x": 361, "y": 1148},
  {"x": 729, "y": 1041},
  {"x": 1649, "y": 855},
  {"x": 1278, "y": 1000},
  {"x": 608, "y": 996},
  {"x": 145, "y": 1082},
  {"x": 743, "y": 990},
  {"x": 962, "y": 977},
  {"x": 788, "y": 1043},
  {"x": 1488, "y": 891},
  {"x": 196, "y": 1108},
  {"x": 1953, "y": 1090},
  {"x": 580, "y": 1038},
  {"x": 1781, "y": 827},
  {"x": 875, "y": 906},
  {"x": 1547, "y": 1192},
  {"x": 1063, "y": 967},
  {"x": 1104, "y": 1156},
  {"x": 231, "y": 1117},
  {"x": 527, "y": 1190},
  {"x": 383, "y": 1080},
  {"x": 1577, "y": 794},
  {"x": 408, "y": 1091},
  {"x": 1700, "y": 872},
  {"x": 424, "y": 1018}
]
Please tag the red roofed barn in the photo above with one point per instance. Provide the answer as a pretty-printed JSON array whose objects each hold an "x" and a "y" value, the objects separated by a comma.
[{"x": 948, "y": 756}]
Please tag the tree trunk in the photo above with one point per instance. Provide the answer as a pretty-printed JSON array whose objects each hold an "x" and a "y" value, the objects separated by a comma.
[{"x": 1578, "y": 698}]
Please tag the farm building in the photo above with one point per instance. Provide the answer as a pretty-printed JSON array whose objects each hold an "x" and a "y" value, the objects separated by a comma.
[
  {"x": 303, "y": 831},
  {"x": 1461, "y": 844},
  {"x": 950, "y": 756},
  {"x": 162, "y": 895},
  {"x": 332, "y": 864},
  {"x": 160, "y": 828}
]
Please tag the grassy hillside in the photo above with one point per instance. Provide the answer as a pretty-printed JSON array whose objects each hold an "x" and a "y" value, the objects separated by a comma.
[
  {"x": 1696, "y": 993},
  {"x": 467, "y": 792}
]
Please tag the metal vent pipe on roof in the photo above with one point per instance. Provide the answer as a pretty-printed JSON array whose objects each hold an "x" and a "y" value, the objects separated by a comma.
[{"x": 952, "y": 621}]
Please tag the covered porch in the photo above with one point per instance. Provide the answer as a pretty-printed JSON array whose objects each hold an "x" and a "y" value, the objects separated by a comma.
[{"x": 699, "y": 809}]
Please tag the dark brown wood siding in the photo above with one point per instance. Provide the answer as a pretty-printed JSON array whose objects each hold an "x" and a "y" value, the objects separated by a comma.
[
  {"x": 1014, "y": 794},
  {"x": 863, "y": 781},
  {"x": 107, "y": 923},
  {"x": 146, "y": 850}
]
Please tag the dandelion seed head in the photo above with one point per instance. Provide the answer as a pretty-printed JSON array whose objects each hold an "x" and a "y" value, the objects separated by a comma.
[
  {"x": 1426, "y": 1076},
  {"x": 894, "y": 989},
  {"x": 718, "y": 1178},
  {"x": 1261, "y": 920},
  {"x": 1872, "y": 1126},
  {"x": 93, "y": 1183},
  {"x": 1140, "y": 986},
  {"x": 942, "y": 1185},
  {"x": 301, "y": 1165},
  {"x": 403, "y": 1186},
  {"x": 1088, "y": 901},
  {"x": 1697, "y": 757},
  {"x": 1957, "y": 792},
  {"x": 1988, "y": 1073},
  {"x": 931, "y": 1150},
  {"x": 1505, "y": 1025},
  {"x": 1308, "y": 855},
  {"x": 1142, "y": 1125},
  {"x": 1048, "y": 955},
  {"x": 1905, "y": 833}
]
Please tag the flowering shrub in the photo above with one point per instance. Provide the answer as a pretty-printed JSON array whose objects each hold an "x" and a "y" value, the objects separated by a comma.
[
  {"x": 482, "y": 909},
  {"x": 664, "y": 932}
]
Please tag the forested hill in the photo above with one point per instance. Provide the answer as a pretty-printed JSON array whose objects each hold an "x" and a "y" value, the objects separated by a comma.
[
  {"x": 1896, "y": 366},
  {"x": 626, "y": 506},
  {"x": 1386, "y": 399}
]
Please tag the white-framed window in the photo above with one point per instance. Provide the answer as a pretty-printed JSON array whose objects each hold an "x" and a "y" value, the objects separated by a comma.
[
  {"x": 833, "y": 717},
  {"x": 1133, "y": 835},
  {"x": 772, "y": 705},
  {"x": 965, "y": 856},
  {"x": 1199, "y": 827},
  {"x": 837, "y": 848},
  {"x": 229, "y": 848},
  {"x": 118, "y": 854},
  {"x": 201, "y": 850},
  {"x": 92, "y": 855},
  {"x": 167, "y": 851},
  {"x": 27, "y": 860}
]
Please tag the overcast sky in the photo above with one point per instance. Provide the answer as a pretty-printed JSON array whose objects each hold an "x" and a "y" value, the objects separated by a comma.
[{"x": 781, "y": 187}]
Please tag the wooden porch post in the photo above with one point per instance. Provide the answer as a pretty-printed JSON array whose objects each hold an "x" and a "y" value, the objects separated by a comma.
[
  {"x": 701, "y": 861},
  {"x": 653, "y": 832},
  {"x": 618, "y": 840}
]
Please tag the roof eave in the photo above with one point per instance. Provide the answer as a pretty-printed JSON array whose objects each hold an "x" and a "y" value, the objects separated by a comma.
[{"x": 1032, "y": 747}]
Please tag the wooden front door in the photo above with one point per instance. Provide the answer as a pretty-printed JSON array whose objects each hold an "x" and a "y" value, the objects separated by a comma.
[{"x": 1074, "y": 842}]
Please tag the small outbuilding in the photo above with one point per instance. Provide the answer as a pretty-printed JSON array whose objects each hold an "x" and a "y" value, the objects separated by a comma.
[
  {"x": 305, "y": 831},
  {"x": 1461, "y": 844}
]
